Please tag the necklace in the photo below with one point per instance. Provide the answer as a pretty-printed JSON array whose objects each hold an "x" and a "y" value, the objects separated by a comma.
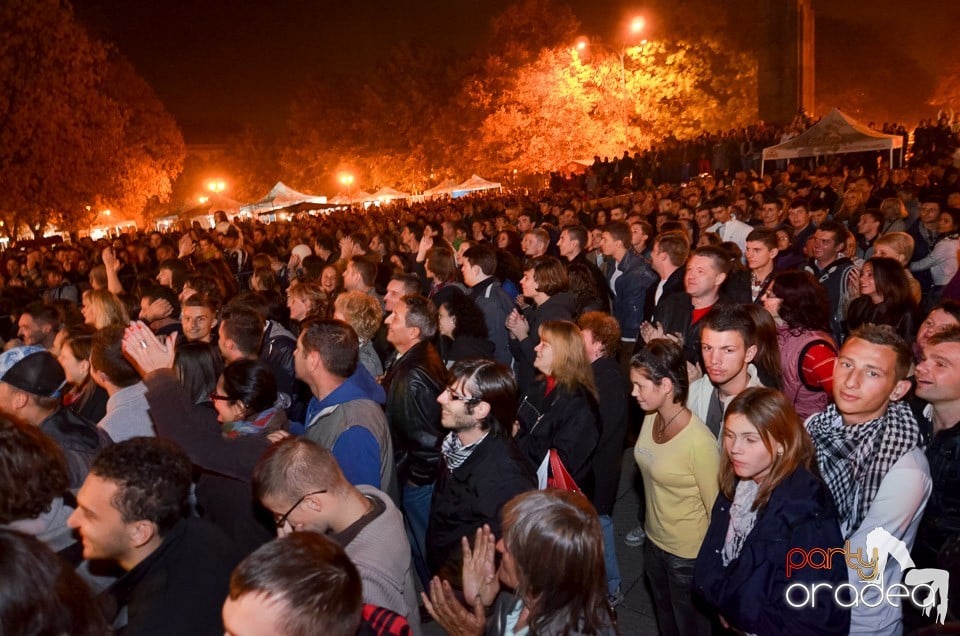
[{"x": 660, "y": 430}]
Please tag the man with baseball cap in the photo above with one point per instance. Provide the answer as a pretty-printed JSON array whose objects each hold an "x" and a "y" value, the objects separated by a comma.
[{"x": 31, "y": 382}]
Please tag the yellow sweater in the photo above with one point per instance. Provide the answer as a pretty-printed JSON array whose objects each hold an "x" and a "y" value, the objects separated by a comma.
[{"x": 680, "y": 484}]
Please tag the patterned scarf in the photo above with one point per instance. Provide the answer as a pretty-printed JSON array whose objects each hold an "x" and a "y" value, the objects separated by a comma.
[
  {"x": 257, "y": 426},
  {"x": 854, "y": 459},
  {"x": 742, "y": 518},
  {"x": 455, "y": 453}
]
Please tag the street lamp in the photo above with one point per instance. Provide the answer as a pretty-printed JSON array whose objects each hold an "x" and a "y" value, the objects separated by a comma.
[
  {"x": 637, "y": 25},
  {"x": 347, "y": 180},
  {"x": 216, "y": 185}
]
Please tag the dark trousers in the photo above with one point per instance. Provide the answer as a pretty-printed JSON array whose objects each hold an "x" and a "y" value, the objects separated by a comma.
[{"x": 671, "y": 583}]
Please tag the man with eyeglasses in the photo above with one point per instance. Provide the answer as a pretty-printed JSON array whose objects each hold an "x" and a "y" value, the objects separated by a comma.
[
  {"x": 481, "y": 468},
  {"x": 301, "y": 483}
]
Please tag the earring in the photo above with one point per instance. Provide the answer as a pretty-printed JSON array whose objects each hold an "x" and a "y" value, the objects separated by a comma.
[{"x": 779, "y": 452}]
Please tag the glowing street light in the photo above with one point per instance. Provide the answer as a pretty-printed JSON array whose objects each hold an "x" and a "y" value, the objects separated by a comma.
[
  {"x": 203, "y": 200},
  {"x": 637, "y": 24},
  {"x": 346, "y": 179},
  {"x": 216, "y": 185}
]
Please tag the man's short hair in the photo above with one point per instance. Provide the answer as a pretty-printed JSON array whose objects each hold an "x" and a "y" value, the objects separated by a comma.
[
  {"x": 203, "y": 300},
  {"x": 800, "y": 203},
  {"x": 43, "y": 313},
  {"x": 422, "y": 314},
  {"x": 732, "y": 317},
  {"x": 605, "y": 330},
  {"x": 719, "y": 256},
  {"x": 876, "y": 215},
  {"x": 949, "y": 335},
  {"x": 331, "y": 603},
  {"x": 335, "y": 341},
  {"x": 541, "y": 235},
  {"x": 887, "y": 336},
  {"x": 483, "y": 256},
  {"x": 836, "y": 228},
  {"x": 295, "y": 466},
  {"x": 578, "y": 234},
  {"x": 763, "y": 235},
  {"x": 244, "y": 327},
  {"x": 619, "y": 231},
  {"x": 442, "y": 264},
  {"x": 410, "y": 282},
  {"x": 492, "y": 383},
  {"x": 676, "y": 245},
  {"x": 366, "y": 269},
  {"x": 153, "y": 477},
  {"x": 106, "y": 356}
]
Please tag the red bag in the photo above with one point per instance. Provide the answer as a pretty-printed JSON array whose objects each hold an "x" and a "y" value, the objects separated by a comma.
[{"x": 559, "y": 477}]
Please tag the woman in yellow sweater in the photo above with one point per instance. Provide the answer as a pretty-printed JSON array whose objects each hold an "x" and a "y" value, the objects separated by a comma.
[{"x": 679, "y": 460}]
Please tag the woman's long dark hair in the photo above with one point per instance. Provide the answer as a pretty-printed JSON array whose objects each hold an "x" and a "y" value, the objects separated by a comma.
[
  {"x": 252, "y": 383},
  {"x": 805, "y": 306},
  {"x": 198, "y": 366},
  {"x": 555, "y": 539}
]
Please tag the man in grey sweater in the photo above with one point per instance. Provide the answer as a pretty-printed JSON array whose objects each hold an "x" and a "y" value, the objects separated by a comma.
[{"x": 300, "y": 482}]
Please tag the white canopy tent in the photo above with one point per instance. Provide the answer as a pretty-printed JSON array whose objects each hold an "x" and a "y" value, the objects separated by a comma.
[
  {"x": 835, "y": 134},
  {"x": 445, "y": 187},
  {"x": 388, "y": 194},
  {"x": 473, "y": 184},
  {"x": 280, "y": 196}
]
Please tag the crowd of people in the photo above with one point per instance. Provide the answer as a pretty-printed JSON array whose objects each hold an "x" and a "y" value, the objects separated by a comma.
[{"x": 364, "y": 420}]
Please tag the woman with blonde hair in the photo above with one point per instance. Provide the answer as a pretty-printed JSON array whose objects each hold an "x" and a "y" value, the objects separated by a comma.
[
  {"x": 307, "y": 299},
  {"x": 770, "y": 504},
  {"x": 102, "y": 308},
  {"x": 363, "y": 313},
  {"x": 560, "y": 410}
]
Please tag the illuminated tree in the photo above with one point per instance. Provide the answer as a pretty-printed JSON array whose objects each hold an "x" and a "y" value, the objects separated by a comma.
[
  {"x": 61, "y": 136},
  {"x": 573, "y": 104}
]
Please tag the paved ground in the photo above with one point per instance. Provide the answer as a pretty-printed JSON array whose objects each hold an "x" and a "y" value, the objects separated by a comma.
[{"x": 635, "y": 614}]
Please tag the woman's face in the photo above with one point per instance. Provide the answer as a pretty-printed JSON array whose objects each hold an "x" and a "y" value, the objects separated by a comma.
[
  {"x": 771, "y": 303},
  {"x": 76, "y": 371},
  {"x": 89, "y": 316},
  {"x": 868, "y": 287},
  {"x": 299, "y": 307},
  {"x": 227, "y": 410},
  {"x": 447, "y": 322},
  {"x": 329, "y": 279},
  {"x": 503, "y": 240},
  {"x": 528, "y": 285},
  {"x": 649, "y": 395},
  {"x": 743, "y": 444},
  {"x": 945, "y": 224},
  {"x": 936, "y": 321},
  {"x": 783, "y": 241},
  {"x": 507, "y": 572},
  {"x": 885, "y": 251},
  {"x": 544, "y": 359}
]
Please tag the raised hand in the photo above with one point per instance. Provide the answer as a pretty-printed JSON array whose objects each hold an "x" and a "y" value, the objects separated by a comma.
[
  {"x": 480, "y": 583},
  {"x": 145, "y": 351},
  {"x": 444, "y": 607}
]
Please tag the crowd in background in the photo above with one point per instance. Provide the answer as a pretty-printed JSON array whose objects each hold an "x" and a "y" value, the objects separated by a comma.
[{"x": 461, "y": 377}]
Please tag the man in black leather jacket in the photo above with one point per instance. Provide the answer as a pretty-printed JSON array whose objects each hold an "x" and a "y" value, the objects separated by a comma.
[{"x": 412, "y": 382}]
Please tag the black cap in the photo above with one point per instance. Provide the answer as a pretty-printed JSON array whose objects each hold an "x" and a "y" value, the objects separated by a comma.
[{"x": 32, "y": 369}]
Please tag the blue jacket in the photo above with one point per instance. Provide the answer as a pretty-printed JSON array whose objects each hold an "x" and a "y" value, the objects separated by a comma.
[
  {"x": 359, "y": 386},
  {"x": 750, "y": 592},
  {"x": 630, "y": 291}
]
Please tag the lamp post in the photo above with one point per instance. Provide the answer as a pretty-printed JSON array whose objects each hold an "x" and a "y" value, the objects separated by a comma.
[
  {"x": 637, "y": 25},
  {"x": 347, "y": 180}
]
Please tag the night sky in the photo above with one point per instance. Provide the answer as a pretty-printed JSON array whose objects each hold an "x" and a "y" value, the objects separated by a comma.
[{"x": 218, "y": 64}]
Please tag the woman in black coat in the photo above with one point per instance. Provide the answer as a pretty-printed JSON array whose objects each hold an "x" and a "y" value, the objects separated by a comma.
[
  {"x": 560, "y": 411},
  {"x": 770, "y": 505}
]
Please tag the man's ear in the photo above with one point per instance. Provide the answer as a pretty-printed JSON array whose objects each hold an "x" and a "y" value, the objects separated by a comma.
[
  {"x": 751, "y": 354},
  {"x": 899, "y": 390},
  {"x": 721, "y": 279},
  {"x": 141, "y": 532},
  {"x": 481, "y": 410}
]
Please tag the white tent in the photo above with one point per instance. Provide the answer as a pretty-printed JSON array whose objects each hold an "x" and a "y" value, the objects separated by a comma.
[
  {"x": 445, "y": 187},
  {"x": 280, "y": 196},
  {"x": 474, "y": 184},
  {"x": 835, "y": 134},
  {"x": 388, "y": 194}
]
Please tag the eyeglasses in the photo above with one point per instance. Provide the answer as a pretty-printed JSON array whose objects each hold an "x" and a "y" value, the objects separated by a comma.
[
  {"x": 216, "y": 396},
  {"x": 456, "y": 397},
  {"x": 282, "y": 520}
]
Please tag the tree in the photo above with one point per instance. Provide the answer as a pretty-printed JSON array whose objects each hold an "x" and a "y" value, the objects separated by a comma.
[
  {"x": 153, "y": 147},
  {"x": 571, "y": 104},
  {"x": 61, "y": 136}
]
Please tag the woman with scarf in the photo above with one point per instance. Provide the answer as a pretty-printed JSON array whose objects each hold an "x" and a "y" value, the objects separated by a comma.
[
  {"x": 220, "y": 419},
  {"x": 770, "y": 504}
]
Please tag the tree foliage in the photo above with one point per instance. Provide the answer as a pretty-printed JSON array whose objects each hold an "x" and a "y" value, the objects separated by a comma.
[
  {"x": 78, "y": 128},
  {"x": 569, "y": 104}
]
